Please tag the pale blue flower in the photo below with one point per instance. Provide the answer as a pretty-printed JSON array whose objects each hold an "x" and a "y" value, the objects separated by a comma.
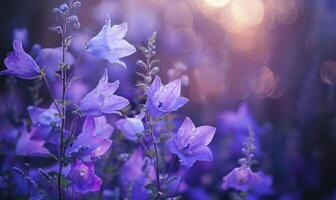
[
  {"x": 131, "y": 126},
  {"x": 109, "y": 44}
]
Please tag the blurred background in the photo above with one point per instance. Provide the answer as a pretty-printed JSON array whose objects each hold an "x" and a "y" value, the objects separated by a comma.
[{"x": 268, "y": 64}]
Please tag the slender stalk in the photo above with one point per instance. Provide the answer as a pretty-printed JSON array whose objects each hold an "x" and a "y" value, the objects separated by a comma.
[
  {"x": 64, "y": 88},
  {"x": 51, "y": 95},
  {"x": 157, "y": 169}
]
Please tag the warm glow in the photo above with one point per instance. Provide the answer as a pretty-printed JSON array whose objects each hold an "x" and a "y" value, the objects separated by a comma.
[
  {"x": 249, "y": 13},
  {"x": 217, "y": 3}
]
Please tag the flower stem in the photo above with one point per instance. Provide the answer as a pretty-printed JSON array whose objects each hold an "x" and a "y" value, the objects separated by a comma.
[
  {"x": 157, "y": 169},
  {"x": 64, "y": 88}
]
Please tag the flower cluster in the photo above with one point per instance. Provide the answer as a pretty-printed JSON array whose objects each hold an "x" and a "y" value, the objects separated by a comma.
[{"x": 140, "y": 143}]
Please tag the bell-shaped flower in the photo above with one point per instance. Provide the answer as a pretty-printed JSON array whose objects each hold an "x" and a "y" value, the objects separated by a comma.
[
  {"x": 90, "y": 144},
  {"x": 20, "y": 64},
  {"x": 130, "y": 127},
  {"x": 83, "y": 178},
  {"x": 26, "y": 146},
  {"x": 190, "y": 143},
  {"x": 45, "y": 121},
  {"x": 102, "y": 100},
  {"x": 163, "y": 99},
  {"x": 109, "y": 44},
  {"x": 241, "y": 178}
]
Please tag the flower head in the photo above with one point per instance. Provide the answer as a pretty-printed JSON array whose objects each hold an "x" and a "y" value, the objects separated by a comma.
[
  {"x": 130, "y": 127},
  {"x": 102, "y": 100},
  {"x": 83, "y": 177},
  {"x": 20, "y": 64},
  {"x": 109, "y": 44},
  {"x": 163, "y": 99},
  {"x": 90, "y": 143},
  {"x": 190, "y": 143},
  {"x": 241, "y": 178}
]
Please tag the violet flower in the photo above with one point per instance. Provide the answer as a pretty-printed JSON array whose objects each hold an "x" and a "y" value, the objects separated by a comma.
[
  {"x": 91, "y": 144},
  {"x": 190, "y": 143},
  {"x": 20, "y": 64},
  {"x": 163, "y": 99},
  {"x": 83, "y": 177},
  {"x": 241, "y": 178},
  {"x": 26, "y": 146},
  {"x": 130, "y": 127},
  {"x": 44, "y": 120},
  {"x": 109, "y": 44},
  {"x": 102, "y": 100}
]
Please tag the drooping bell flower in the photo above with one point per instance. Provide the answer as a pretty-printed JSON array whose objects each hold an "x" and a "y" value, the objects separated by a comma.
[
  {"x": 130, "y": 127},
  {"x": 90, "y": 144},
  {"x": 102, "y": 100},
  {"x": 190, "y": 143},
  {"x": 163, "y": 99},
  {"x": 83, "y": 178},
  {"x": 20, "y": 64},
  {"x": 241, "y": 178},
  {"x": 45, "y": 121},
  {"x": 109, "y": 44},
  {"x": 26, "y": 146}
]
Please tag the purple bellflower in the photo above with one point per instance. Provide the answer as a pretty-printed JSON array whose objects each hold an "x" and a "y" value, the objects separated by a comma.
[
  {"x": 83, "y": 178},
  {"x": 109, "y": 44},
  {"x": 44, "y": 120},
  {"x": 242, "y": 178},
  {"x": 20, "y": 64},
  {"x": 190, "y": 143},
  {"x": 26, "y": 146},
  {"x": 130, "y": 127},
  {"x": 102, "y": 100},
  {"x": 163, "y": 99},
  {"x": 94, "y": 144}
]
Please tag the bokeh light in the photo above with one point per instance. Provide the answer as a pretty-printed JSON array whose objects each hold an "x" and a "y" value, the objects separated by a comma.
[{"x": 217, "y": 3}]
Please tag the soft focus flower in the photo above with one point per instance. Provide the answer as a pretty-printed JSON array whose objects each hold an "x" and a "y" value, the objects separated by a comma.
[
  {"x": 21, "y": 34},
  {"x": 237, "y": 122},
  {"x": 102, "y": 99},
  {"x": 137, "y": 172},
  {"x": 91, "y": 144},
  {"x": 50, "y": 58},
  {"x": 83, "y": 177},
  {"x": 109, "y": 44},
  {"x": 44, "y": 120},
  {"x": 20, "y": 64},
  {"x": 241, "y": 178},
  {"x": 26, "y": 146},
  {"x": 131, "y": 126},
  {"x": 163, "y": 99},
  {"x": 190, "y": 143}
]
